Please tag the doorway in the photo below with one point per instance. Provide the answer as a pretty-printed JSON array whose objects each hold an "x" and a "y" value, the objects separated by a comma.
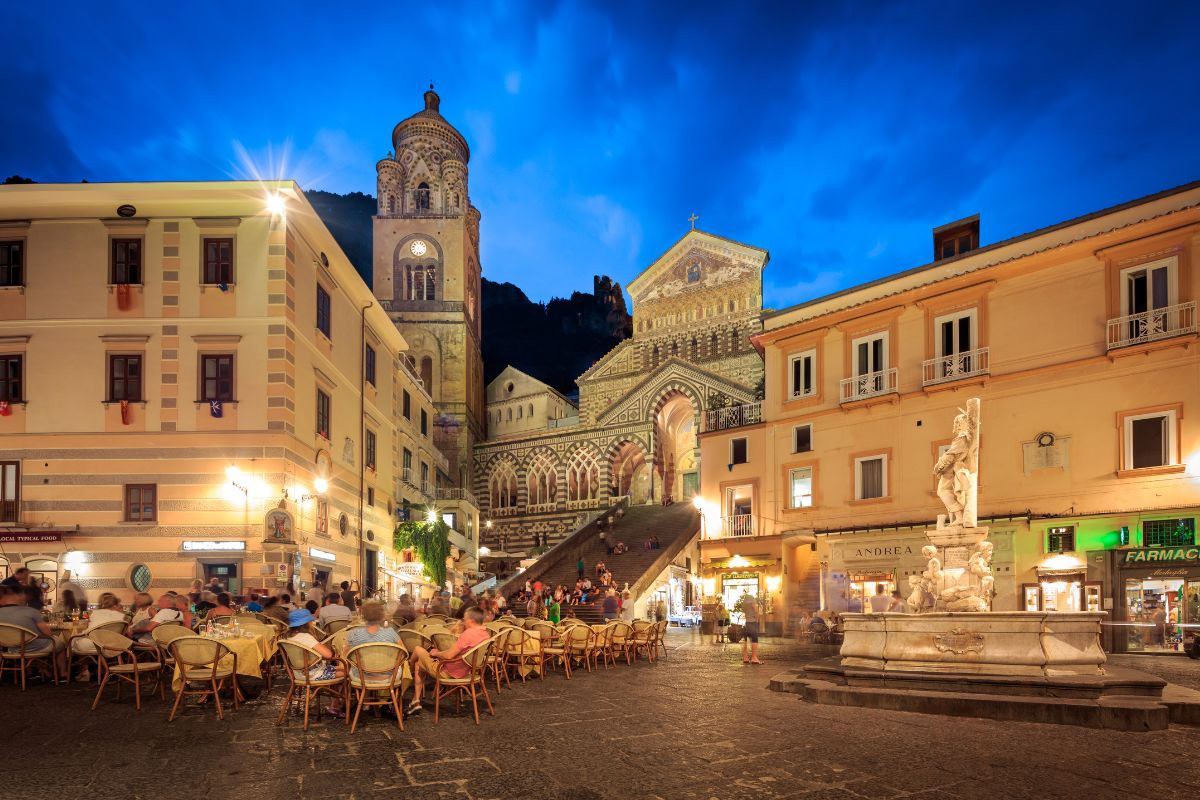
[
  {"x": 371, "y": 576},
  {"x": 675, "y": 433},
  {"x": 227, "y": 574}
]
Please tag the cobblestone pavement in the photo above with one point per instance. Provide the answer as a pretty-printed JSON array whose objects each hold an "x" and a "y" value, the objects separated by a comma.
[{"x": 697, "y": 724}]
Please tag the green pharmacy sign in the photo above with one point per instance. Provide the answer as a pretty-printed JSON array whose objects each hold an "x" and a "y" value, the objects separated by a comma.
[{"x": 1157, "y": 555}]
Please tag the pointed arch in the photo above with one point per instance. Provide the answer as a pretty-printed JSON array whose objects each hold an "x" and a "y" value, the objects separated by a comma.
[
  {"x": 502, "y": 484},
  {"x": 583, "y": 474},
  {"x": 541, "y": 476}
]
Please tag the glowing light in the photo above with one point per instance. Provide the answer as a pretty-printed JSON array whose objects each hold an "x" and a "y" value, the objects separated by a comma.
[
  {"x": 710, "y": 586},
  {"x": 321, "y": 485},
  {"x": 738, "y": 561},
  {"x": 488, "y": 523},
  {"x": 276, "y": 204},
  {"x": 1061, "y": 561},
  {"x": 232, "y": 473},
  {"x": 698, "y": 503},
  {"x": 773, "y": 583},
  {"x": 485, "y": 551},
  {"x": 431, "y": 516}
]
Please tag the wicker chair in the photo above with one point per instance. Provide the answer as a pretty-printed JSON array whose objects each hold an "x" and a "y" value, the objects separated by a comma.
[
  {"x": 446, "y": 684},
  {"x": 115, "y": 647},
  {"x": 642, "y": 639},
  {"x": 579, "y": 641},
  {"x": 553, "y": 648},
  {"x": 13, "y": 643},
  {"x": 376, "y": 678},
  {"x": 299, "y": 660},
  {"x": 202, "y": 661},
  {"x": 335, "y": 625},
  {"x": 621, "y": 633},
  {"x": 518, "y": 652},
  {"x": 413, "y": 639},
  {"x": 163, "y": 635},
  {"x": 82, "y": 648},
  {"x": 496, "y": 659},
  {"x": 660, "y": 633},
  {"x": 442, "y": 638},
  {"x": 602, "y": 648}
]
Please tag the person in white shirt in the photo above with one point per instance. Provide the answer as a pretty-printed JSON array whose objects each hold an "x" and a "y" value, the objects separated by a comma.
[
  {"x": 110, "y": 610},
  {"x": 880, "y": 600},
  {"x": 69, "y": 585},
  {"x": 166, "y": 613},
  {"x": 333, "y": 609},
  {"x": 316, "y": 593}
]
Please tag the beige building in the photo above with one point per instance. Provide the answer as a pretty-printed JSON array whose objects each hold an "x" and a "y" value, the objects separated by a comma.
[
  {"x": 1081, "y": 341},
  {"x": 197, "y": 383},
  {"x": 634, "y": 433}
]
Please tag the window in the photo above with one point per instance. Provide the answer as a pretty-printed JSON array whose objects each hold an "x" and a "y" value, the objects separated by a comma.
[
  {"x": 427, "y": 374},
  {"x": 125, "y": 378},
  {"x": 126, "y": 261},
  {"x": 140, "y": 502},
  {"x": 12, "y": 263},
  {"x": 369, "y": 450},
  {"x": 323, "y": 415},
  {"x": 424, "y": 422},
  {"x": 800, "y": 487},
  {"x": 424, "y": 477},
  {"x": 803, "y": 374},
  {"x": 369, "y": 365},
  {"x": 870, "y": 477},
  {"x": 1060, "y": 539},
  {"x": 802, "y": 439},
  {"x": 1148, "y": 287},
  {"x": 10, "y": 491},
  {"x": 216, "y": 377},
  {"x": 520, "y": 411},
  {"x": 1169, "y": 532},
  {"x": 406, "y": 475},
  {"x": 322, "y": 522},
  {"x": 870, "y": 354},
  {"x": 422, "y": 282},
  {"x": 543, "y": 483},
  {"x": 12, "y": 370},
  {"x": 371, "y": 496},
  {"x": 737, "y": 451},
  {"x": 1150, "y": 440},
  {"x": 324, "y": 316},
  {"x": 218, "y": 261},
  {"x": 406, "y": 404},
  {"x": 421, "y": 195}
]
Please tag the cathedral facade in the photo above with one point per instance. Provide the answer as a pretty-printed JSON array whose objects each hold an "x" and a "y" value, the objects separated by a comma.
[{"x": 640, "y": 407}]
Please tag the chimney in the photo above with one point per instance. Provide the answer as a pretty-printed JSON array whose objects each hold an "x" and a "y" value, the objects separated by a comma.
[{"x": 956, "y": 238}]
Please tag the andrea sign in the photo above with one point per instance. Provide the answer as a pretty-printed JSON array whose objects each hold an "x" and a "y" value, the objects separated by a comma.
[
  {"x": 881, "y": 551},
  {"x": 30, "y": 538},
  {"x": 1157, "y": 555}
]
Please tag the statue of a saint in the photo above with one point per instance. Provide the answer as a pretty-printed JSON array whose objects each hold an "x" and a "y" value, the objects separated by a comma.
[{"x": 957, "y": 469}]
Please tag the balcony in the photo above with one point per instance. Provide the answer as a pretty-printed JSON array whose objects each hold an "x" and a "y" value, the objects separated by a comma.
[
  {"x": 872, "y": 384},
  {"x": 955, "y": 366},
  {"x": 10, "y": 511},
  {"x": 465, "y": 495},
  {"x": 1151, "y": 326},
  {"x": 719, "y": 419},
  {"x": 736, "y": 526}
]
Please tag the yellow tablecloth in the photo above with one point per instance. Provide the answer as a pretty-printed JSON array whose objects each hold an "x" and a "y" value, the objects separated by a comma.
[{"x": 251, "y": 653}]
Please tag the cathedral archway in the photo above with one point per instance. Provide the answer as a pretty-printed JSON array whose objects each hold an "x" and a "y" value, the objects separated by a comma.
[
  {"x": 675, "y": 446},
  {"x": 629, "y": 474}
]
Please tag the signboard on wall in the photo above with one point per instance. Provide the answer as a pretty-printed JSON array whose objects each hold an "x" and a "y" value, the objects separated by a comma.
[
  {"x": 1157, "y": 555},
  {"x": 31, "y": 538}
]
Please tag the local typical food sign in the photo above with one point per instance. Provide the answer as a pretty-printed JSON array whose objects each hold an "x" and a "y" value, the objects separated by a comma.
[{"x": 1157, "y": 555}]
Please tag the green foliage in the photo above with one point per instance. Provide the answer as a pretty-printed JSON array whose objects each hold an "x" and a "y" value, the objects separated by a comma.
[
  {"x": 765, "y": 604},
  {"x": 717, "y": 401},
  {"x": 431, "y": 543}
]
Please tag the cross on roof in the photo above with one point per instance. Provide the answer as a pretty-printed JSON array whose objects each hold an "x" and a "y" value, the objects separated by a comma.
[{"x": 692, "y": 219}]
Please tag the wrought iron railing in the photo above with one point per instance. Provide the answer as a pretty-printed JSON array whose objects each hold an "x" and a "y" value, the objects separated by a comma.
[
  {"x": 955, "y": 366},
  {"x": 1150, "y": 326},
  {"x": 737, "y": 525},
  {"x": 719, "y": 419},
  {"x": 873, "y": 384}
]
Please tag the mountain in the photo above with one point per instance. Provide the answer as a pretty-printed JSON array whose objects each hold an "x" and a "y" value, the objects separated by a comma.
[{"x": 516, "y": 330}]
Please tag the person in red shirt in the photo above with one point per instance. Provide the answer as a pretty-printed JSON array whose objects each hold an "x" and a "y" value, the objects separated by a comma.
[{"x": 426, "y": 662}]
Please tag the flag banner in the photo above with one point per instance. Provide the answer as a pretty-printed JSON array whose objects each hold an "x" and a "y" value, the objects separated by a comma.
[
  {"x": 125, "y": 412},
  {"x": 5, "y": 409},
  {"x": 216, "y": 409},
  {"x": 124, "y": 297}
]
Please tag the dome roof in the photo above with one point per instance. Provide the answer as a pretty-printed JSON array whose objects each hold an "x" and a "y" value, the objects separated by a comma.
[{"x": 430, "y": 122}]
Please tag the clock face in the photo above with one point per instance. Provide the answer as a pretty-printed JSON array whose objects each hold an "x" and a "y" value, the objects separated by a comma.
[{"x": 418, "y": 248}]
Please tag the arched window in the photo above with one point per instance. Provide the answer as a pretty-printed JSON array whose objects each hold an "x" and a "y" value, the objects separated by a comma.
[
  {"x": 531, "y": 409},
  {"x": 520, "y": 411},
  {"x": 654, "y": 356},
  {"x": 674, "y": 348},
  {"x": 421, "y": 195},
  {"x": 502, "y": 486},
  {"x": 693, "y": 353},
  {"x": 391, "y": 204},
  {"x": 508, "y": 415},
  {"x": 427, "y": 374},
  {"x": 583, "y": 476},
  {"x": 713, "y": 345},
  {"x": 422, "y": 282},
  {"x": 542, "y": 481}
]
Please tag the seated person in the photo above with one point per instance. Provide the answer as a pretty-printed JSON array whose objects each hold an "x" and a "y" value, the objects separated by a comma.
[
  {"x": 333, "y": 609},
  {"x": 182, "y": 605},
  {"x": 272, "y": 609},
  {"x": 208, "y": 601},
  {"x": 139, "y": 610},
  {"x": 285, "y": 600},
  {"x": 68, "y": 605},
  {"x": 301, "y": 632},
  {"x": 254, "y": 606},
  {"x": 312, "y": 607},
  {"x": 109, "y": 610},
  {"x": 373, "y": 614},
  {"x": 164, "y": 612},
  {"x": 426, "y": 662},
  {"x": 15, "y": 610},
  {"x": 223, "y": 608}
]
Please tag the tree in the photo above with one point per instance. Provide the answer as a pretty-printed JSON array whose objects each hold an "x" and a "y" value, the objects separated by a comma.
[
  {"x": 431, "y": 543},
  {"x": 11, "y": 179}
]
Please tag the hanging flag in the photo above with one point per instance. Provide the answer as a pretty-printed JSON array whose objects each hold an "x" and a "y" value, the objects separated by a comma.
[
  {"x": 124, "y": 412},
  {"x": 5, "y": 408},
  {"x": 124, "y": 300},
  {"x": 216, "y": 409}
]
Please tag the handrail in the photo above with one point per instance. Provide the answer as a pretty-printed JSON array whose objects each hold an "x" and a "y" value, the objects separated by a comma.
[
  {"x": 1152, "y": 325},
  {"x": 871, "y": 384},
  {"x": 719, "y": 419},
  {"x": 955, "y": 366},
  {"x": 666, "y": 556}
]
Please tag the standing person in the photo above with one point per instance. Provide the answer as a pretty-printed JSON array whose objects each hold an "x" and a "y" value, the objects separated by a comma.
[
  {"x": 626, "y": 608},
  {"x": 19, "y": 578},
  {"x": 897, "y": 605},
  {"x": 553, "y": 611},
  {"x": 720, "y": 620},
  {"x": 880, "y": 600},
  {"x": 68, "y": 584},
  {"x": 348, "y": 597},
  {"x": 533, "y": 607},
  {"x": 610, "y": 606},
  {"x": 316, "y": 593},
  {"x": 750, "y": 630},
  {"x": 580, "y": 566}
]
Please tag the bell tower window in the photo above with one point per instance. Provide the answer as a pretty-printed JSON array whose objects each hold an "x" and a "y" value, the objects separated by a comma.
[
  {"x": 422, "y": 196},
  {"x": 422, "y": 282}
]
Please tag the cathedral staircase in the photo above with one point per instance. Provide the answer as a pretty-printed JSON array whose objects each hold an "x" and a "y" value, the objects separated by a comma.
[{"x": 674, "y": 526}]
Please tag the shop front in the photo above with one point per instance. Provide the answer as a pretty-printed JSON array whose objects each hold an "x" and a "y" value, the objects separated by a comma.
[
  {"x": 758, "y": 576},
  {"x": 1157, "y": 597},
  {"x": 857, "y": 567}
]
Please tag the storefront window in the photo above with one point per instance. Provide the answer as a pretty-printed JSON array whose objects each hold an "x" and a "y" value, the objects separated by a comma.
[
  {"x": 1062, "y": 595},
  {"x": 864, "y": 587},
  {"x": 1158, "y": 610},
  {"x": 734, "y": 586}
]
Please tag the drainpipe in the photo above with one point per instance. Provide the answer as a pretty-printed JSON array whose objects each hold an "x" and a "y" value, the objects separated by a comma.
[{"x": 362, "y": 439}]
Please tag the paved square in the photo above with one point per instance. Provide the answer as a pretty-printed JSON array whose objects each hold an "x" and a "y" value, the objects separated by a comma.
[{"x": 697, "y": 724}]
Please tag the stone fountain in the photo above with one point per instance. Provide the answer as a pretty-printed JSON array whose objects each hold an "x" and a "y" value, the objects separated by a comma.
[{"x": 951, "y": 654}]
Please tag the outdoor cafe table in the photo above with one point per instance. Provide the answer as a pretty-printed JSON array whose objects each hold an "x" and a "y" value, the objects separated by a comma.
[
  {"x": 68, "y": 628},
  {"x": 251, "y": 653}
]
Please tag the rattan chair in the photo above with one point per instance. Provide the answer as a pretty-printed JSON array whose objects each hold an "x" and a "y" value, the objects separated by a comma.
[
  {"x": 335, "y": 625},
  {"x": 553, "y": 647},
  {"x": 497, "y": 661},
  {"x": 621, "y": 632},
  {"x": 299, "y": 661},
  {"x": 523, "y": 648},
  {"x": 602, "y": 647},
  {"x": 442, "y": 639},
  {"x": 14, "y": 643},
  {"x": 380, "y": 669},
  {"x": 642, "y": 639},
  {"x": 660, "y": 634},
  {"x": 445, "y": 684},
  {"x": 579, "y": 641},
  {"x": 82, "y": 648},
  {"x": 412, "y": 639},
  {"x": 202, "y": 661},
  {"x": 163, "y": 635},
  {"x": 115, "y": 647}
]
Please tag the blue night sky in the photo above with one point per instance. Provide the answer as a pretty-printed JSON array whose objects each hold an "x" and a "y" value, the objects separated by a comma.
[{"x": 836, "y": 135}]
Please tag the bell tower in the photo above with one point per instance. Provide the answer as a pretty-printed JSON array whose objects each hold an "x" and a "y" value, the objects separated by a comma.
[{"x": 427, "y": 273}]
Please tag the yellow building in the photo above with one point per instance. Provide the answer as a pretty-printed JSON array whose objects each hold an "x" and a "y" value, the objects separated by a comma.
[
  {"x": 1080, "y": 338},
  {"x": 197, "y": 383}
]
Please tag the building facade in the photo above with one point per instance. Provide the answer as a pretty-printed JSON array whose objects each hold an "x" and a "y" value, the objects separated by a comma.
[
  {"x": 427, "y": 274},
  {"x": 216, "y": 394},
  {"x": 634, "y": 432},
  {"x": 1081, "y": 341}
]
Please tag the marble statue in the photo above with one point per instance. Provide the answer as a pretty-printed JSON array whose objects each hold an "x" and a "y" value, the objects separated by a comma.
[{"x": 957, "y": 470}]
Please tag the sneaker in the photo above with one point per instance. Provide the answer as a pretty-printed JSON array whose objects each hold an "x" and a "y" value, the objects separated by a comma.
[
  {"x": 335, "y": 712},
  {"x": 413, "y": 708}
]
